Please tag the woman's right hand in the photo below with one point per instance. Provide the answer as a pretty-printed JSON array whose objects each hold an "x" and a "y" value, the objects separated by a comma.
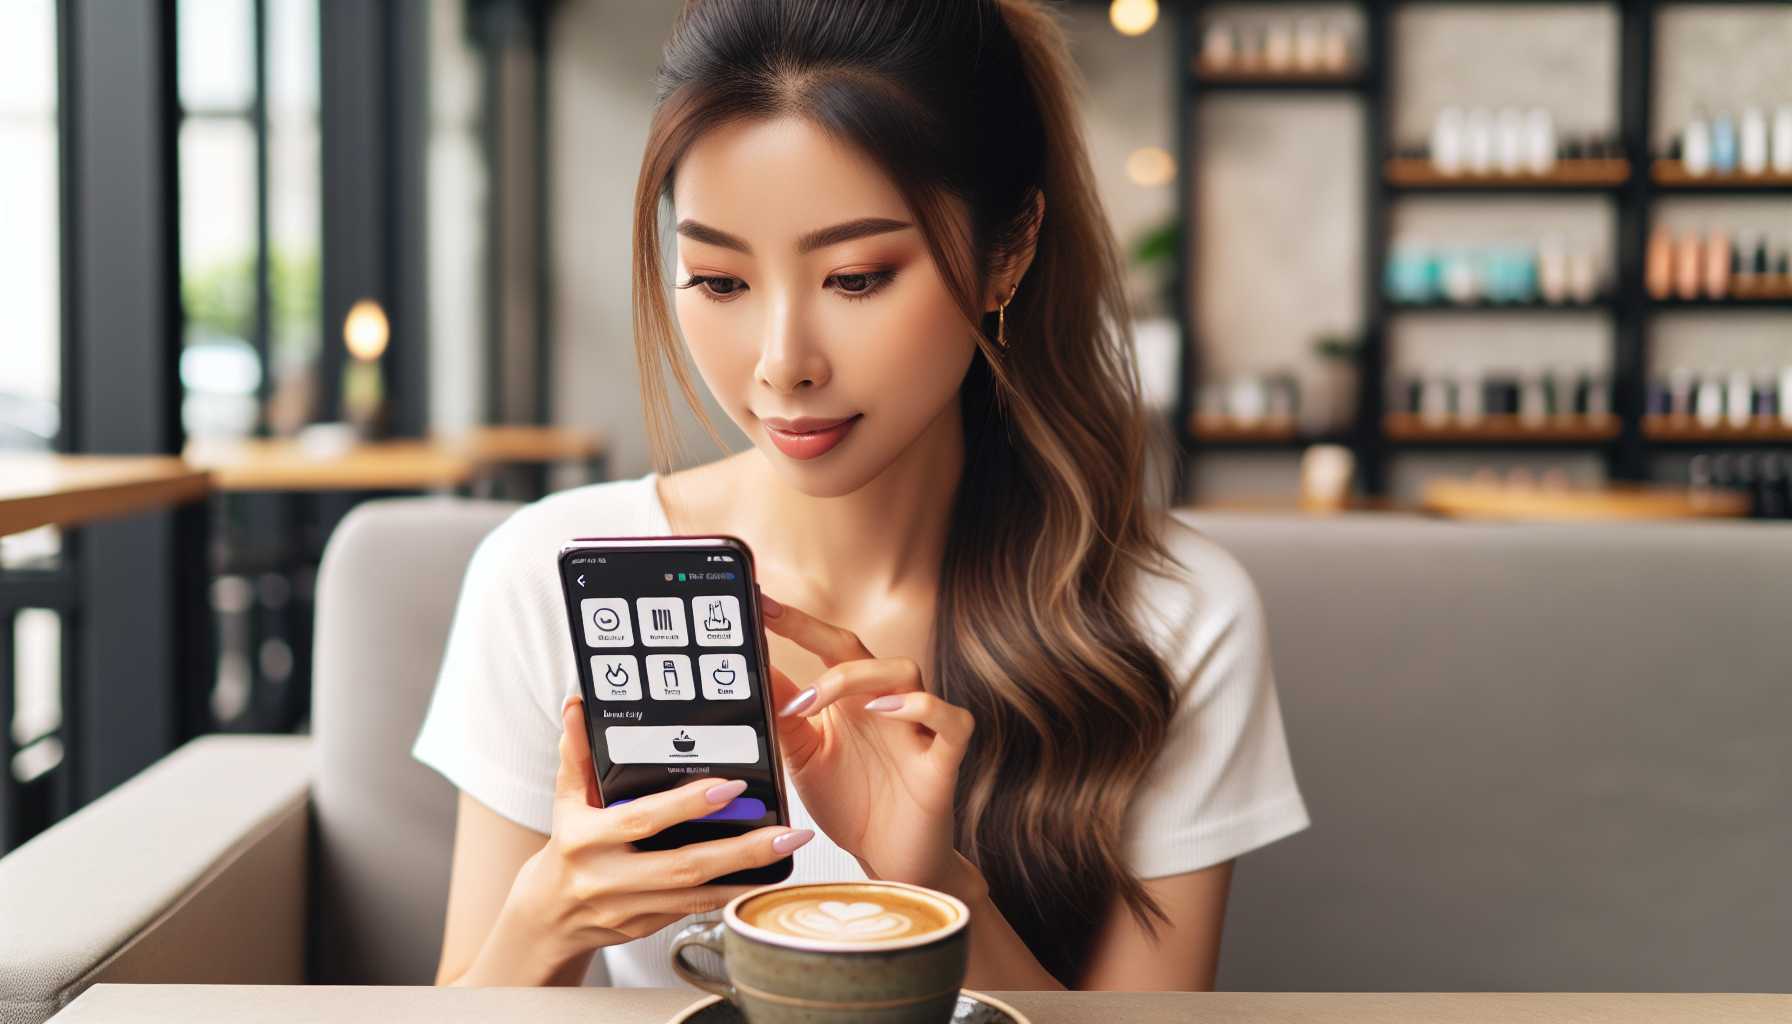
[{"x": 591, "y": 888}]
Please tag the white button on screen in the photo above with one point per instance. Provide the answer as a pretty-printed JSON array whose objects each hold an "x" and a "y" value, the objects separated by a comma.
[
  {"x": 669, "y": 677},
  {"x": 671, "y": 744},
  {"x": 606, "y": 622},
  {"x": 717, "y": 619},
  {"x": 614, "y": 677},
  {"x": 724, "y": 676},
  {"x": 662, "y": 621}
]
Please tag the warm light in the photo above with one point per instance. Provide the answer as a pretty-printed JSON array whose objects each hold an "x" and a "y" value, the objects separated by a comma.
[
  {"x": 1150, "y": 166},
  {"x": 1133, "y": 17},
  {"x": 365, "y": 330}
]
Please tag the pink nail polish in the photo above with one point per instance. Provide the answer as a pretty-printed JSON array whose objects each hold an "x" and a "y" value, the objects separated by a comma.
[
  {"x": 888, "y": 702},
  {"x": 772, "y": 608},
  {"x": 792, "y": 839},
  {"x": 723, "y": 792},
  {"x": 799, "y": 702}
]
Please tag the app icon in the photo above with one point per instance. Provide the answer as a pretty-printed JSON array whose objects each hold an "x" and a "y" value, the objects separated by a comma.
[
  {"x": 669, "y": 677},
  {"x": 724, "y": 676},
  {"x": 615, "y": 677},
  {"x": 718, "y": 620},
  {"x": 606, "y": 622},
  {"x": 662, "y": 621}
]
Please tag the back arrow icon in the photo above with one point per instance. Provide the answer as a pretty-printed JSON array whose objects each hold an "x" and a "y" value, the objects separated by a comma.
[{"x": 581, "y": 579}]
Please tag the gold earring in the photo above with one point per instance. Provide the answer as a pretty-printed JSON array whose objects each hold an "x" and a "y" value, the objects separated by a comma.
[{"x": 1002, "y": 318}]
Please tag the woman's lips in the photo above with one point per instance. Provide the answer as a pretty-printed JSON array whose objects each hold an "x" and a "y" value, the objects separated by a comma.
[{"x": 807, "y": 444}]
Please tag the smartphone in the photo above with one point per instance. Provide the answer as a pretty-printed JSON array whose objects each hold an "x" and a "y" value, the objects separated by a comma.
[{"x": 672, "y": 666}]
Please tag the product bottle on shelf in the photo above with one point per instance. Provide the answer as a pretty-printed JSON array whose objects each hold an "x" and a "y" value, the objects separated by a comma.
[
  {"x": 1752, "y": 146},
  {"x": 1658, "y": 263},
  {"x": 1695, "y": 147},
  {"x": 1782, "y": 140},
  {"x": 1723, "y": 144}
]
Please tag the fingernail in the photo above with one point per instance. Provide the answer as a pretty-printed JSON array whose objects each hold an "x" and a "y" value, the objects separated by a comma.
[
  {"x": 772, "y": 608},
  {"x": 799, "y": 702},
  {"x": 722, "y": 792},
  {"x": 571, "y": 699},
  {"x": 888, "y": 702},
  {"x": 792, "y": 839}
]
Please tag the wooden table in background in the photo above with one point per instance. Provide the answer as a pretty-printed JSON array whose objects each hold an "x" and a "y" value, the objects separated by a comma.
[
  {"x": 276, "y": 1004},
  {"x": 281, "y": 464},
  {"x": 66, "y": 490},
  {"x": 1460, "y": 499}
]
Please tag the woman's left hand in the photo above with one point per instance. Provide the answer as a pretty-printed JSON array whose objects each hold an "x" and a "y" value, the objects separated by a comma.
[{"x": 874, "y": 756}]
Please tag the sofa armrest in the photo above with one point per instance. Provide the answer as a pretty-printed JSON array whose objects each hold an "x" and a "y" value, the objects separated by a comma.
[{"x": 192, "y": 871}]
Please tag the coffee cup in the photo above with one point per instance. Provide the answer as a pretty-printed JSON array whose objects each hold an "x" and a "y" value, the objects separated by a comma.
[{"x": 814, "y": 952}]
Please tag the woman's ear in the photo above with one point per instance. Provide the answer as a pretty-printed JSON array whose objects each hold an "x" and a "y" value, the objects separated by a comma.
[{"x": 1016, "y": 261}]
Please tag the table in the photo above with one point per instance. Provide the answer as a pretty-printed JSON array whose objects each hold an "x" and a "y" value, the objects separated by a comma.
[
  {"x": 395, "y": 1005},
  {"x": 1467, "y": 500},
  {"x": 65, "y": 490},
  {"x": 282, "y": 464}
]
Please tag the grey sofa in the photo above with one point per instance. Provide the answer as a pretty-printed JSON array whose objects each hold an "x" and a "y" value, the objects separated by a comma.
[{"x": 1545, "y": 758}]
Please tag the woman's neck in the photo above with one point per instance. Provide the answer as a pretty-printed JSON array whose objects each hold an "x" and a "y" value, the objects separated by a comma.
[{"x": 884, "y": 539}]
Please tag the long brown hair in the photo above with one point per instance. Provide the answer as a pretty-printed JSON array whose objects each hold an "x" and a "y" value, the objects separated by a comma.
[{"x": 976, "y": 99}]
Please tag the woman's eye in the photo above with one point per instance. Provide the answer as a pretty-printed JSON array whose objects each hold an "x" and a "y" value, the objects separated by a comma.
[
  {"x": 863, "y": 285},
  {"x": 718, "y": 289}
]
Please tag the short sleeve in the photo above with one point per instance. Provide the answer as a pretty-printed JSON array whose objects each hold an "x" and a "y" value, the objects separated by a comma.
[
  {"x": 493, "y": 725},
  {"x": 1223, "y": 784}
]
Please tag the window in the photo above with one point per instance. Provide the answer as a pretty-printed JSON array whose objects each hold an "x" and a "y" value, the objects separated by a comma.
[
  {"x": 30, "y": 260},
  {"x": 249, "y": 216}
]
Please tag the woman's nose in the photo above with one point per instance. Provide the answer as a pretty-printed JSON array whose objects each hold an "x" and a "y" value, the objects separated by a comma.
[{"x": 788, "y": 358}]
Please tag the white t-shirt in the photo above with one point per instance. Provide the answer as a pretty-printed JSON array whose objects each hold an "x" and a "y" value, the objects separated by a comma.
[{"x": 1222, "y": 786}]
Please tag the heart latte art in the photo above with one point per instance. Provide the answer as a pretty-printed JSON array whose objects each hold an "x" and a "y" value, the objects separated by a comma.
[{"x": 840, "y": 914}]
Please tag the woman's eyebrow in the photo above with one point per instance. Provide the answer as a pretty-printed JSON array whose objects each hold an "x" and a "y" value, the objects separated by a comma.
[{"x": 820, "y": 238}]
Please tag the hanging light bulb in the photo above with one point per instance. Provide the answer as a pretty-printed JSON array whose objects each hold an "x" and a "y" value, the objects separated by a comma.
[
  {"x": 1133, "y": 17},
  {"x": 365, "y": 330},
  {"x": 1150, "y": 166}
]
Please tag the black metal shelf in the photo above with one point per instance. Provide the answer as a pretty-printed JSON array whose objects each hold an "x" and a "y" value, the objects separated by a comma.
[
  {"x": 1632, "y": 185},
  {"x": 1522, "y": 308},
  {"x": 1712, "y": 305},
  {"x": 1235, "y": 84}
]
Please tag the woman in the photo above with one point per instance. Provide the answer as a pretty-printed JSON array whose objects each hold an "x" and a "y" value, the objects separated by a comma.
[{"x": 1003, "y": 673}]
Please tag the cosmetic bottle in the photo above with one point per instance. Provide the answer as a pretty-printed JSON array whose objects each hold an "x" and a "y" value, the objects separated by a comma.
[
  {"x": 1785, "y": 390},
  {"x": 1477, "y": 133},
  {"x": 1739, "y": 399},
  {"x": 1695, "y": 147},
  {"x": 1682, "y": 389},
  {"x": 1752, "y": 146},
  {"x": 1708, "y": 400},
  {"x": 1658, "y": 263},
  {"x": 1583, "y": 274},
  {"x": 1723, "y": 144},
  {"x": 1449, "y": 141},
  {"x": 1508, "y": 141},
  {"x": 1533, "y": 401},
  {"x": 1334, "y": 54},
  {"x": 1552, "y": 269},
  {"x": 1782, "y": 140},
  {"x": 1539, "y": 142},
  {"x": 1717, "y": 265},
  {"x": 1278, "y": 46},
  {"x": 1688, "y": 258},
  {"x": 1219, "y": 47},
  {"x": 1309, "y": 44}
]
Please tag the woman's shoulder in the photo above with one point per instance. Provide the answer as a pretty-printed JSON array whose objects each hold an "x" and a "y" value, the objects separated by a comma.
[
  {"x": 1203, "y": 614},
  {"x": 1205, "y": 583}
]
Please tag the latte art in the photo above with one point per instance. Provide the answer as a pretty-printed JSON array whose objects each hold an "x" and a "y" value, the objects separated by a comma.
[
  {"x": 832, "y": 919},
  {"x": 847, "y": 913}
]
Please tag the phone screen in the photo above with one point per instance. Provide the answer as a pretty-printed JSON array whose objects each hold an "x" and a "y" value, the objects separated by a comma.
[{"x": 671, "y": 664}]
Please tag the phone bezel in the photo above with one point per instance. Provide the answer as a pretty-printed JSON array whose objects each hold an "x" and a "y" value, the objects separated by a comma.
[{"x": 754, "y": 627}]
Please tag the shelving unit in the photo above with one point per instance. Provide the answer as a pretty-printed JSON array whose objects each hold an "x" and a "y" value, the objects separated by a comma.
[{"x": 1626, "y": 442}]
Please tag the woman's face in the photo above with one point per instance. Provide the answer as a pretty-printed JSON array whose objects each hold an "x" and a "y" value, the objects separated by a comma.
[{"x": 806, "y": 292}]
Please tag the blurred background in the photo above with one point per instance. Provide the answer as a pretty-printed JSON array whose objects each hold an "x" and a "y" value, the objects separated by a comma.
[{"x": 328, "y": 249}]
